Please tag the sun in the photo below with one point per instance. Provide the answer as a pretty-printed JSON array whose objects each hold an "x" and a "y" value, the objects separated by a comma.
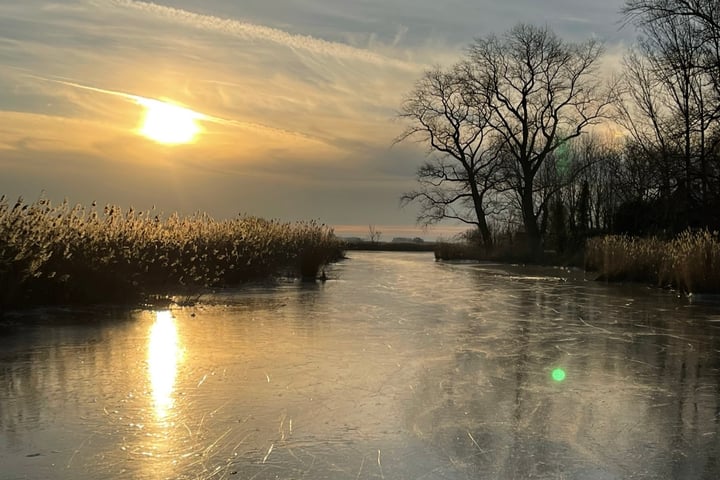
[{"x": 167, "y": 123}]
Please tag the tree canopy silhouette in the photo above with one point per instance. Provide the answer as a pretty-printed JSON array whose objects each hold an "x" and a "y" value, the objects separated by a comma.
[{"x": 494, "y": 119}]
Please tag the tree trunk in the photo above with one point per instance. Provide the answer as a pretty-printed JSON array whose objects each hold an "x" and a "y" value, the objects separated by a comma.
[
  {"x": 480, "y": 214},
  {"x": 532, "y": 230}
]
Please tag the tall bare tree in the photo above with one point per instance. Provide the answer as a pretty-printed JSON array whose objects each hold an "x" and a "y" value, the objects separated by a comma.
[
  {"x": 541, "y": 92},
  {"x": 374, "y": 234},
  {"x": 643, "y": 112},
  {"x": 706, "y": 12},
  {"x": 702, "y": 15},
  {"x": 672, "y": 109},
  {"x": 459, "y": 179}
]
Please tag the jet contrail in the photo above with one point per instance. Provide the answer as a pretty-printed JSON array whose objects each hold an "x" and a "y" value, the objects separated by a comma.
[
  {"x": 246, "y": 29},
  {"x": 147, "y": 102}
]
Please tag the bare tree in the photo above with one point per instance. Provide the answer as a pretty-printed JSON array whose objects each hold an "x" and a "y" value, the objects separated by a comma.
[
  {"x": 642, "y": 113},
  {"x": 458, "y": 180},
  {"x": 374, "y": 234},
  {"x": 702, "y": 16},
  {"x": 672, "y": 102},
  {"x": 604, "y": 175},
  {"x": 706, "y": 12},
  {"x": 537, "y": 92}
]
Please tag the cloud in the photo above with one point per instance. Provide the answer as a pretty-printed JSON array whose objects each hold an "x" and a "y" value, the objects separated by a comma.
[
  {"x": 259, "y": 77},
  {"x": 299, "y": 98},
  {"x": 248, "y": 30},
  {"x": 571, "y": 19},
  {"x": 149, "y": 102}
]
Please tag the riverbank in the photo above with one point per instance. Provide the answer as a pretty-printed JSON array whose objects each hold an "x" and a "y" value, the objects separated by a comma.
[
  {"x": 508, "y": 254},
  {"x": 689, "y": 263},
  {"x": 63, "y": 254}
]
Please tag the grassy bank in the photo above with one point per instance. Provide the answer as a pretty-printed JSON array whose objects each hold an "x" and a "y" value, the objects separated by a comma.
[
  {"x": 508, "y": 253},
  {"x": 75, "y": 254},
  {"x": 690, "y": 262}
]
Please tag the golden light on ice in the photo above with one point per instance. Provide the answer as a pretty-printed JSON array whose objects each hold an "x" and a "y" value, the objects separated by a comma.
[
  {"x": 167, "y": 123},
  {"x": 163, "y": 356}
]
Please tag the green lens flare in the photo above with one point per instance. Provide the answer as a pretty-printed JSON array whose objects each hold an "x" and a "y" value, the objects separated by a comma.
[{"x": 558, "y": 374}]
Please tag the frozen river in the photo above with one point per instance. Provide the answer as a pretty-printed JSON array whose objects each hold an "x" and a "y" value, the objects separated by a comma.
[{"x": 397, "y": 367}]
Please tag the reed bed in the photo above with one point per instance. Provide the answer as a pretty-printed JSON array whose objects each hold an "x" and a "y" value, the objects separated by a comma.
[
  {"x": 690, "y": 262},
  {"x": 52, "y": 254}
]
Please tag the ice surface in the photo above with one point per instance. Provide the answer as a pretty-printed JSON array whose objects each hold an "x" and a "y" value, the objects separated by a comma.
[{"x": 398, "y": 367}]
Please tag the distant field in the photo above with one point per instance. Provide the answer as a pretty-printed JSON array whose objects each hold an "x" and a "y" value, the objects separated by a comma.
[{"x": 390, "y": 246}]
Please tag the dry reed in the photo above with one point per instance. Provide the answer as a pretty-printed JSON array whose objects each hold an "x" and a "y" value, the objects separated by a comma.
[
  {"x": 690, "y": 262},
  {"x": 69, "y": 254}
]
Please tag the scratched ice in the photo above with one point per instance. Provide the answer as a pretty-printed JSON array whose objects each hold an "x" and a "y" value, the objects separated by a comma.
[{"x": 398, "y": 367}]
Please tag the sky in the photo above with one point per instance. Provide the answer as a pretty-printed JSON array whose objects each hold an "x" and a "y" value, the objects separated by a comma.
[{"x": 296, "y": 100}]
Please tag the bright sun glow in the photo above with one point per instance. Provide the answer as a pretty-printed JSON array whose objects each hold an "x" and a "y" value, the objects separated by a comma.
[
  {"x": 167, "y": 123},
  {"x": 163, "y": 355}
]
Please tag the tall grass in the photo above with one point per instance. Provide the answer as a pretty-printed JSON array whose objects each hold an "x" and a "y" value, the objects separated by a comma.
[
  {"x": 689, "y": 262},
  {"x": 70, "y": 254}
]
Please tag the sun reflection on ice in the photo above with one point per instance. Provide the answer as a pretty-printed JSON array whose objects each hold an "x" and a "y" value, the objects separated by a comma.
[{"x": 164, "y": 353}]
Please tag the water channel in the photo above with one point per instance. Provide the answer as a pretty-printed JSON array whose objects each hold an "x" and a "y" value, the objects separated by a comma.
[{"x": 397, "y": 367}]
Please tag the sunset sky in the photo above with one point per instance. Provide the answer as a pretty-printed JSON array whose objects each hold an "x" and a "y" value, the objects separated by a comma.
[{"x": 295, "y": 99}]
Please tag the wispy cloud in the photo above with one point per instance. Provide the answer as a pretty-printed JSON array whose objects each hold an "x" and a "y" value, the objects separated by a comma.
[
  {"x": 571, "y": 19},
  {"x": 145, "y": 101},
  {"x": 297, "y": 97},
  {"x": 249, "y": 30}
]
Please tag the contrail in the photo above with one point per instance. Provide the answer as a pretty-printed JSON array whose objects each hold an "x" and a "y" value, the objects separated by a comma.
[
  {"x": 129, "y": 96},
  {"x": 250, "y": 30},
  {"x": 147, "y": 101},
  {"x": 139, "y": 99}
]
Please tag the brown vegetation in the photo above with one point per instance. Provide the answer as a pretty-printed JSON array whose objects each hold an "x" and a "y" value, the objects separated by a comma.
[
  {"x": 66, "y": 254},
  {"x": 502, "y": 130},
  {"x": 690, "y": 262}
]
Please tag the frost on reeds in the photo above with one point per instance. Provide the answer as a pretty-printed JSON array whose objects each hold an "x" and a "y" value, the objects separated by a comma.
[
  {"x": 75, "y": 254},
  {"x": 689, "y": 262}
]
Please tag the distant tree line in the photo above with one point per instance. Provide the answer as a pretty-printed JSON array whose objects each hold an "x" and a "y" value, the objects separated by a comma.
[{"x": 525, "y": 134}]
